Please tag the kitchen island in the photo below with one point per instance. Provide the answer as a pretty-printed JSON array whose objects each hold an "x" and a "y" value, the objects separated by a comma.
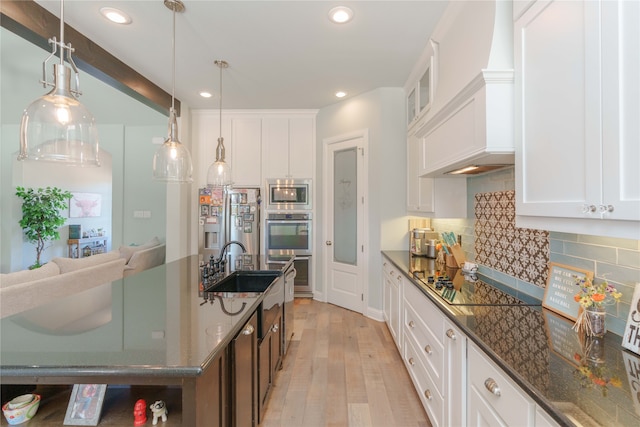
[
  {"x": 155, "y": 329},
  {"x": 564, "y": 378}
]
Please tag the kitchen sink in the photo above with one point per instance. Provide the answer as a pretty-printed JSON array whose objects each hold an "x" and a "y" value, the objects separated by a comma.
[{"x": 245, "y": 281}]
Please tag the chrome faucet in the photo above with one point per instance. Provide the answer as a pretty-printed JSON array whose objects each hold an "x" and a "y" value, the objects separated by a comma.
[{"x": 219, "y": 264}]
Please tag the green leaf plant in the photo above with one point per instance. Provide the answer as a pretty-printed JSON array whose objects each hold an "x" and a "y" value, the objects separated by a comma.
[{"x": 41, "y": 216}]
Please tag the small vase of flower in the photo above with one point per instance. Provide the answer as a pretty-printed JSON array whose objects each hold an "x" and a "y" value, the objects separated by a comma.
[{"x": 593, "y": 297}]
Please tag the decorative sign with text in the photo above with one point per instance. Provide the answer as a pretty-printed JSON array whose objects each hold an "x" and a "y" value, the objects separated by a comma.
[
  {"x": 562, "y": 338},
  {"x": 561, "y": 288},
  {"x": 631, "y": 338}
]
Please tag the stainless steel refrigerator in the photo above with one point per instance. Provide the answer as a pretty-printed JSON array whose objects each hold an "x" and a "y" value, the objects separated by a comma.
[{"x": 232, "y": 215}]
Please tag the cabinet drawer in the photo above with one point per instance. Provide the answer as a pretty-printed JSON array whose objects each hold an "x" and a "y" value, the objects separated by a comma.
[
  {"x": 426, "y": 310},
  {"x": 428, "y": 349},
  {"x": 512, "y": 405},
  {"x": 389, "y": 269},
  {"x": 429, "y": 396}
]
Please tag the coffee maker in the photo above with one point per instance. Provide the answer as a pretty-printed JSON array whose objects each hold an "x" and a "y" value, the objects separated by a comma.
[{"x": 423, "y": 242}]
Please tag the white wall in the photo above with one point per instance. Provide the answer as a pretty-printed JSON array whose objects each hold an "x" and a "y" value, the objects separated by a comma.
[{"x": 382, "y": 112}]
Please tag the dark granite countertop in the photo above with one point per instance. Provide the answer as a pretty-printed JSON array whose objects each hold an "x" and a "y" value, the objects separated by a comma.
[
  {"x": 577, "y": 381},
  {"x": 154, "y": 323}
]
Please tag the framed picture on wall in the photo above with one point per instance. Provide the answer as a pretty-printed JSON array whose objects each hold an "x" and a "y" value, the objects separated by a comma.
[{"x": 85, "y": 205}]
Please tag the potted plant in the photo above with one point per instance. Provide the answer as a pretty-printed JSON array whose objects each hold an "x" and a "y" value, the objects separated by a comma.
[{"x": 41, "y": 215}]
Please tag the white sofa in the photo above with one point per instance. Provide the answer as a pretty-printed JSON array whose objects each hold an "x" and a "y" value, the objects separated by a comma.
[
  {"x": 26, "y": 289},
  {"x": 143, "y": 257}
]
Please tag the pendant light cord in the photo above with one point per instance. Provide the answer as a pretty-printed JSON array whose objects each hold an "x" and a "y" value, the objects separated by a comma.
[
  {"x": 173, "y": 59},
  {"x": 220, "y": 109},
  {"x": 62, "y": 31}
]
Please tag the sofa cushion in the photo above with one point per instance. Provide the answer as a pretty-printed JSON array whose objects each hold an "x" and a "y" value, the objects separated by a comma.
[
  {"x": 68, "y": 265},
  {"x": 47, "y": 270},
  {"x": 127, "y": 252}
]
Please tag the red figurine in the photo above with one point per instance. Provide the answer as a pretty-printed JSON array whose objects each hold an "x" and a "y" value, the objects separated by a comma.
[{"x": 140, "y": 413}]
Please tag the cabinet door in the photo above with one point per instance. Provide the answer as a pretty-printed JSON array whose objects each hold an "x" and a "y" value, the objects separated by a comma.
[
  {"x": 244, "y": 379},
  {"x": 246, "y": 156},
  {"x": 275, "y": 144},
  {"x": 419, "y": 190},
  {"x": 557, "y": 108},
  {"x": 301, "y": 147},
  {"x": 394, "y": 310},
  {"x": 455, "y": 390},
  {"x": 621, "y": 110}
]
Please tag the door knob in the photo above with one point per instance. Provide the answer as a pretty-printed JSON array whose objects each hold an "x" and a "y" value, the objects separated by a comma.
[{"x": 328, "y": 243}]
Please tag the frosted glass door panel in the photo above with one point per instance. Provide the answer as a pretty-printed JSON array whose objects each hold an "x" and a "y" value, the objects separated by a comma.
[{"x": 345, "y": 212}]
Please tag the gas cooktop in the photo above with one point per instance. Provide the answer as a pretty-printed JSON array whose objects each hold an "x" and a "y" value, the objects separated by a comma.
[{"x": 474, "y": 290}]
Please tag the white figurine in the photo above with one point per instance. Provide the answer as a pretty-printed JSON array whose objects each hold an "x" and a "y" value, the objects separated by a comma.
[{"x": 159, "y": 410}]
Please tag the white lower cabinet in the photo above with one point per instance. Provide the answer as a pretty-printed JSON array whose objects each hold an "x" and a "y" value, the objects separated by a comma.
[
  {"x": 392, "y": 281},
  {"x": 495, "y": 400},
  {"x": 457, "y": 383},
  {"x": 434, "y": 353}
]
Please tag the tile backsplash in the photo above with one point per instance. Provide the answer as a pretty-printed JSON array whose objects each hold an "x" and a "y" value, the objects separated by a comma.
[
  {"x": 487, "y": 236},
  {"x": 519, "y": 252}
]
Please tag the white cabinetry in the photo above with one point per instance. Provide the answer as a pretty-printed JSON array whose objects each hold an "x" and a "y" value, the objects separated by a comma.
[
  {"x": 439, "y": 197},
  {"x": 577, "y": 109},
  {"x": 242, "y": 142},
  {"x": 494, "y": 400},
  {"x": 288, "y": 146},
  {"x": 392, "y": 284},
  {"x": 245, "y": 151},
  {"x": 434, "y": 354}
]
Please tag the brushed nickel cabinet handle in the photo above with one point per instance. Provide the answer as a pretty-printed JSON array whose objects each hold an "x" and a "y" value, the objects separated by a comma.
[
  {"x": 275, "y": 327},
  {"x": 412, "y": 324},
  {"x": 427, "y": 394},
  {"x": 451, "y": 334},
  {"x": 606, "y": 208},
  {"x": 427, "y": 349},
  {"x": 411, "y": 361},
  {"x": 492, "y": 386},
  {"x": 248, "y": 330}
]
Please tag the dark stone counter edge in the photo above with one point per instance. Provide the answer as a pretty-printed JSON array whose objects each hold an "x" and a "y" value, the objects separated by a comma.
[
  {"x": 125, "y": 374},
  {"x": 451, "y": 313}
]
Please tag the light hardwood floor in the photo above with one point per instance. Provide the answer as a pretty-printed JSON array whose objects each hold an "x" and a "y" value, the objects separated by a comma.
[{"x": 342, "y": 369}]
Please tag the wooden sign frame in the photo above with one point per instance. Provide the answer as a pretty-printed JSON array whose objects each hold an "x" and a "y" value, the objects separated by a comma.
[
  {"x": 631, "y": 337},
  {"x": 561, "y": 288}
]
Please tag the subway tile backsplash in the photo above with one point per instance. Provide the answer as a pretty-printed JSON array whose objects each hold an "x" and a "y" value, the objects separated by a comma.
[{"x": 615, "y": 260}]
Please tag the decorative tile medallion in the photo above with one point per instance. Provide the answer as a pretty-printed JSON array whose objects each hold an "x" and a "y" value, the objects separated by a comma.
[{"x": 499, "y": 244}]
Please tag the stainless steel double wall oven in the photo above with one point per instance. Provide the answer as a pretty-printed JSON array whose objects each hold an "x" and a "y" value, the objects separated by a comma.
[{"x": 289, "y": 228}]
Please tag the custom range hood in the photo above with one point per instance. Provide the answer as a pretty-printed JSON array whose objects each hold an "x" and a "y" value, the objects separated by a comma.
[{"x": 469, "y": 127}]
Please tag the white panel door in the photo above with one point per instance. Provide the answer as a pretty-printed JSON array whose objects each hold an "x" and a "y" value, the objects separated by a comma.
[{"x": 345, "y": 223}]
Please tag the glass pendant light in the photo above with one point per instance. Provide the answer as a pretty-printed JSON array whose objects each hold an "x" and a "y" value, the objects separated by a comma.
[
  {"x": 57, "y": 127},
  {"x": 219, "y": 173},
  {"x": 172, "y": 161}
]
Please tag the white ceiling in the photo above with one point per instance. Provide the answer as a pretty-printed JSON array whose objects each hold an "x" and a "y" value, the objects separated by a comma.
[{"x": 282, "y": 54}]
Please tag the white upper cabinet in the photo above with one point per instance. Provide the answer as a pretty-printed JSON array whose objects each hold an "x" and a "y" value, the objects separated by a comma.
[
  {"x": 433, "y": 197},
  {"x": 288, "y": 146},
  {"x": 245, "y": 151},
  {"x": 259, "y": 144},
  {"x": 421, "y": 91},
  {"x": 577, "y": 116}
]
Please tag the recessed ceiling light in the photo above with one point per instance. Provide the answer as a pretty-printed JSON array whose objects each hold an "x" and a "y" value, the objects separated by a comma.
[
  {"x": 341, "y": 94},
  {"x": 340, "y": 15},
  {"x": 206, "y": 94},
  {"x": 115, "y": 15}
]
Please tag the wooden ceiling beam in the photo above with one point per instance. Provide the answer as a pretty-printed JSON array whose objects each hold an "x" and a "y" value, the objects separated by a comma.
[{"x": 34, "y": 23}]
